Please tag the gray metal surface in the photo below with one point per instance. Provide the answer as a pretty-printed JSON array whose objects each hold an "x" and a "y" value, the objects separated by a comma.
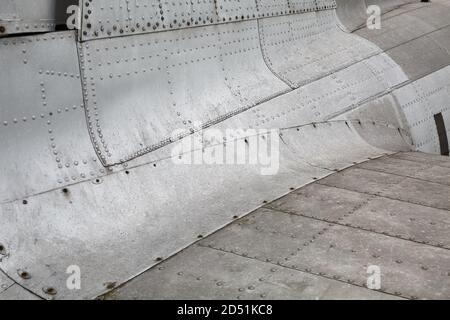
[
  {"x": 432, "y": 159},
  {"x": 88, "y": 175},
  {"x": 137, "y": 64},
  {"x": 388, "y": 5},
  {"x": 15, "y": 292},
  {"x": 315, "y": 237},
  {"x": 43, "y": 128},
  {"x": 352, "y": 14},
  {"x": 406, "y": 45},
  {"x": 214, "y": 274},
  {"x": 372, "y": 213},
  {"x": 306, "y": 47},
  {"x": 341, "y": 253},
  {"x": 5, "y": 282},
  {"x": 431, "y": 172},
  {"x": 24, "y": 16},
  {"x": 225, "y": 88},
  {"x": 395, "y": 187},
  {"x": 104, "y": 19},
  {"x": 92, "y": 222},
  {"x": 420, "y": 101}
]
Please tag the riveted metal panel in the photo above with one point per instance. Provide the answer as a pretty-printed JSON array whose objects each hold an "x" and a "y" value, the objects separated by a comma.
[
  {"x": 405, "y": 45},
  {"x": 383, "y": 109},
  {"x": 408, "y": 269},
  {"x": 103, "y": 18},
  {"x": 302, "y": 48},
  {"x": 194, "y": 13},
  {"x": 420, "y": 101},
  {"x": 329, "y": 96},
  {"x": 204, "y": 273},
  {"x": 234, "y": 10},
  {"x": 24, "y": 16},
  {"x": 417, "y": 62},
  {"x": 396, "y": 31},
  {"x": 325, "y": 4},
  {"x": 44, "y": 140},
  {"x": 199, "y": 76},
  {"x": 94, "y": 222},
  {"x": 251, "y": 82},
  {"x": 18, "y": 16},
  {"x": 395, "y": 187},
  {"x": 439, "y": 12},
  {"x": 424, "y": 171},
  {"x": 433, "y": 159},
  {"x": 111, "y": 18},
  {"x": 430, "y": 31},
  {"x": 375, "y": 214},
  {"x": 270, "y": 8},
  {"x": 299, "y": 6}
]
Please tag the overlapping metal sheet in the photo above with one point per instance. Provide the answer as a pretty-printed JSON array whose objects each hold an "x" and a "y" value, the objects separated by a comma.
[
  {"x": 126, "y": 82},
  {"x": 94, "y": 124}
]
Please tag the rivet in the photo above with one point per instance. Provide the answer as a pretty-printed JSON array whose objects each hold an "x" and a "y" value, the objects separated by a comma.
[
  {"x": 23, "y": 274},
  {"x": 110, "y": 285},
  {"x": 49, "y": 290}
]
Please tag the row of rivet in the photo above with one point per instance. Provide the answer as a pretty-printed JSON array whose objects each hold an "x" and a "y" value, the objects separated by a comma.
[
  {"x": 157, "y": 22},
  {"x": 309, "y": 270}
]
